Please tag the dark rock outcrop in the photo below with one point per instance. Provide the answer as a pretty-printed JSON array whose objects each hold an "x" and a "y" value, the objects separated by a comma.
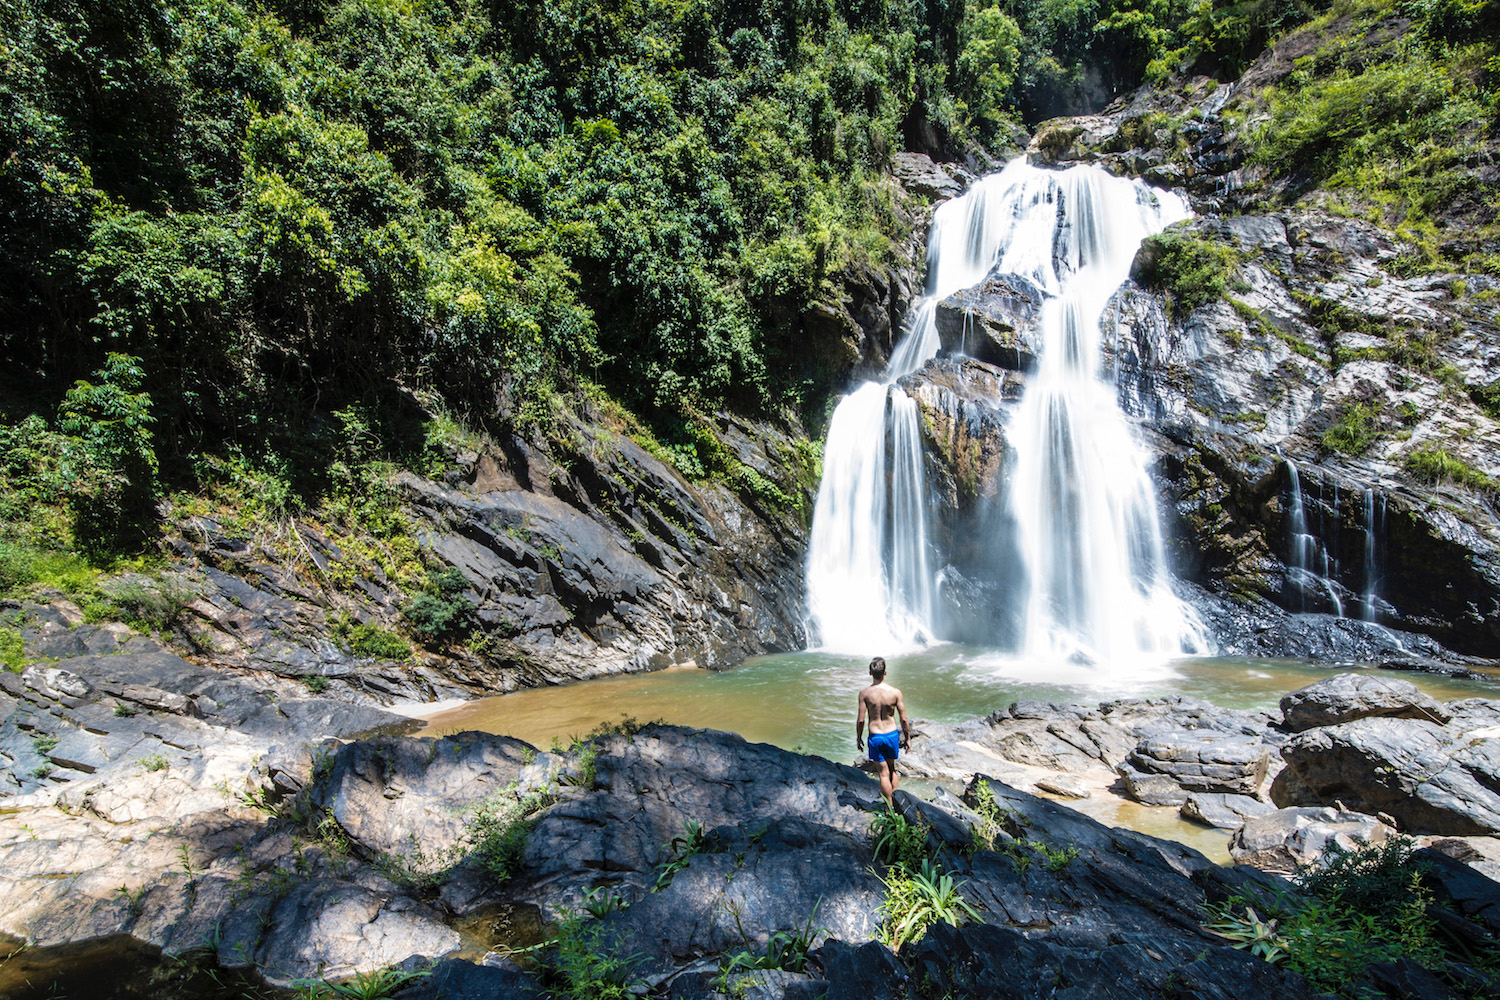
[
  {"x": 1346, "y": 697},
  {"x": 1430, "y": 779}
]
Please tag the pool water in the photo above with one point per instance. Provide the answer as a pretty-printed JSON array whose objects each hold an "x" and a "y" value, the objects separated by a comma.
[{"x": 806, "y": 701}]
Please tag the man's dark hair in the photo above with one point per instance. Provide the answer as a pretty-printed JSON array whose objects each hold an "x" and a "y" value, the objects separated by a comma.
[{"x": 877, "y": 667}]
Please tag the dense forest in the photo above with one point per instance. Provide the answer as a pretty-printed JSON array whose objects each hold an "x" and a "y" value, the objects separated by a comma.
[{"x": 253, "y": 228}]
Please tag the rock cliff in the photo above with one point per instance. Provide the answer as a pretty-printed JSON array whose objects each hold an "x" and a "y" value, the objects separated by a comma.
[{"x": 1317, "y": 392}]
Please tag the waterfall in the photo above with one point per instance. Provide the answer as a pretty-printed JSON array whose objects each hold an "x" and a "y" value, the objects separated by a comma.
[
  {"x": 1097, "y": 579},
  {"x": 1374, "y": 527},
  {"x": 1309, "y": 565},
  {"x": 1098, "y": 587},
  {"x": 869, "y": 583}
]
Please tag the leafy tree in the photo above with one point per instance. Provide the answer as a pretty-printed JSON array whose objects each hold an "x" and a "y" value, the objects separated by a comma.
[{"x": 109, "y": 466}]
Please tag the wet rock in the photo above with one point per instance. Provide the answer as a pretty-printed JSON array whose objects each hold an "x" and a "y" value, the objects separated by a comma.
[
  {"x": 1288, "y": 839},
  {"x": 994, "y": 322},
  {"x": 1429, "y": 779},
  {"x": 1226, "y": 812},
  {"x": 1346, "y": 697}
]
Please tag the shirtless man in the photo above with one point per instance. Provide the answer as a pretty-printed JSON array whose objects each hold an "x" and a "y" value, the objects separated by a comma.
[{"x": 883, "y": 704}]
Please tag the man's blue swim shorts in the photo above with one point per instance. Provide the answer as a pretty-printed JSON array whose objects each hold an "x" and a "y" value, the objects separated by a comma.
[{"x": 885, "y": 746}]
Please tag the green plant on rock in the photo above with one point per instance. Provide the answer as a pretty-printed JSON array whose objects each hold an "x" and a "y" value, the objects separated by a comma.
[
  {"x": 915, "y": 900},
  {"x": 600, "y": 902},
  {"x": 499, "y": 829},
  {"x": 896, "y": 840},
  {"x": 580, "y": 963},
  {"x": 1355, "y": 430},
  {"x": 367, "y": 639},
  {"x": 1191, "y": 270},
  {"x": 12, "y": 650},
  {"x": 380, "y": 984},
  {"x": 1435, "y": 465},
  {"x": 692, "y": 841},
  {"x": 1360, "y": 907},
  {"x": 441, "y": 613}
]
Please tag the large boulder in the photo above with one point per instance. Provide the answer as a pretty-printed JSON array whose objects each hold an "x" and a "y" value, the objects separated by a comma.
[
  {"x": 1288, "y": 839},
  {"x": 1162, "y": 769},
  {"x": 1226, "y": 812},
  {"x": 995, "y": 322},
  {"x": 1426, "y": 777},
  {"x": 1349, "y": 696},
  {"x": 415, "y": 799}
]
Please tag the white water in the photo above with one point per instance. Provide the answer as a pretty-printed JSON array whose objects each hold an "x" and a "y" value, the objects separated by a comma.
[
  {"x": 1310, "y": 566},
  {"x": 869, "y": 584},
  {"x": 1090, "y": 539},
  {"x": 1098, "y": 588},
  {"x": 1374, "y": 529}
]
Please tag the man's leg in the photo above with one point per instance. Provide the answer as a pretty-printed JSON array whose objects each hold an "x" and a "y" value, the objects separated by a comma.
[{"x": 887, "y": 785}]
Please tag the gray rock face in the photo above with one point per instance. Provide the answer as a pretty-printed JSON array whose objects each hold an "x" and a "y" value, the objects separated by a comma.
[
  {"x": 414, "y": 799},
  {"x": 994, "y": 322},
  {"x": 1287, "y": 839},
  {"x": 1196, "y": 762},
  {"x": 341, "y": 930},
  {"x": 1429, "y": 779},
  {"x": 1227, "y": 812},
  {"x": 1346, "y": 697}
]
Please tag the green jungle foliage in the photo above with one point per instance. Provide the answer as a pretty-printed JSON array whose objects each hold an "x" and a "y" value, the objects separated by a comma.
[
  {"x": 1395, "y": 107},
  {"x": 272, "y": 204}
]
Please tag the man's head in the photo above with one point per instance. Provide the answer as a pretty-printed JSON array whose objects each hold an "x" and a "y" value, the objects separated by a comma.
[{"x": 877, "y": 669}]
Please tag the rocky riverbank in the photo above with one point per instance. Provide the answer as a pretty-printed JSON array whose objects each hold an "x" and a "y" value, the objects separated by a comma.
[{"x": 189, "y": 812}]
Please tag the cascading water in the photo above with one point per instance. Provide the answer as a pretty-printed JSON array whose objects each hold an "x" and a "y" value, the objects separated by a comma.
[
  {"x": 1081, "y": 496},
  {"x": 1374, "y": 530},
  {"x": 1098, "y": 584},
  {"x": 869, "y": 584},
  {"x": 1310, "y": 567}
]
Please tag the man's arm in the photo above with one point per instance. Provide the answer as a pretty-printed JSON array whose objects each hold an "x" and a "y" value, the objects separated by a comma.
[
  {"x": 905, "y": 722},
  {"x": 859, "y": 723}
]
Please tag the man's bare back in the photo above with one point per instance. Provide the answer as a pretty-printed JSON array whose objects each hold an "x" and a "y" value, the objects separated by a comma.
[
  {"x": 883, "y": 707},
  {"x": 879, "y": 703}
]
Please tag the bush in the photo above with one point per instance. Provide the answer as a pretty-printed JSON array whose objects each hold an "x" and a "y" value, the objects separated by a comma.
[
  {"x": 377, "y": 643},
  {"x": 1361, "y": 907},
  {"x": 1191, "y": 270},
  {"x": 1355, "y": 430},
  {"x": 441, "y": 613},
  {"x": 12, "y": 650},
  {"x": 109, "y": 466},
  {"x": 1434, "y": 465}
]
